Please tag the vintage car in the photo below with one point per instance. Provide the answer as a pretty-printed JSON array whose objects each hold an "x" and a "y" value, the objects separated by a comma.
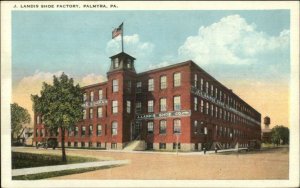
[{"x": 48, "y": 143}]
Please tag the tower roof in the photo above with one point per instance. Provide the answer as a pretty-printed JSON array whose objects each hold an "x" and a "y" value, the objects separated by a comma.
[{"x": 122, "y": 54}]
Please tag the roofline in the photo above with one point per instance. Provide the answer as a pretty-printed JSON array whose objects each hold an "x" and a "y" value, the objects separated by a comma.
[
  {"x": 123, "y": 54},
  {"x": 93, "y": 85},
  {"x": 166, "y": 67},
  {"x": 230, "y": 90}
]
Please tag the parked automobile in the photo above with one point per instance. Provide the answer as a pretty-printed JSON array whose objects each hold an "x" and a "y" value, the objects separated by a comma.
[{"x": 48, "y": 143}]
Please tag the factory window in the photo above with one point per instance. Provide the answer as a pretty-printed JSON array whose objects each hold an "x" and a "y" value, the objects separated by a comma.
[
  {"x": 138, "y": 107},
  {"x": 138, "y": 87},
  {"x": 177, "y": 103},
  {"x": 75, "y": 144},
  {"x": 115, "y": 107},
  {"x": 151, "y": 84},
  {"x": 195, "y": 80},
  {"x": 212, "y": 90},
  {"x": 221, "y": 113},
  {"x": 76, "y": 131},
  {"x": 113, "y": 145},
  {"x": 202, "y": 106},
  {"x": 176, "y": 145},
  {"x": 177, "y": 79},
  {"x": 195, "y": 127},
  {"x": 91, "y": 130},
  {"x": 38, "y": 120},
  {"x": 220, "y": 96},
  {"x": 116, "y": 63},
  {"x": 150, "y": 106},
  {"x": 233, "y": 118},
  {"x": 212, "y": 110},
  {"x": 115, "y": 85},
  {"x": 177, "y": 126},
  {"x": 162, "y": 145},
  {"x": 84, "y": 97},
  {"x": 114, "y": 128},
  {"x": 92, "y": 96},
  {"x": 150, "y": 127},
  {"x": 207, "y": 108},
  {"x": 99, "y": 112},
  {"x": 195, "y": 104},
  {"x": 201, "y": 84},
  {"x": 98, "y": 144},
  {"x": 129, "y": 63},
  {"x": 216, "y": 93},
  {"x": 163, "y": 104},
  {"x": 162, "y": 127},
  {"x": 84, "y": 114},
  {"x": 216, "y": 112},
  {"x": 129, "y": 86},
  {"x": 83, "y": 131},
  {"x": 100, "y": 93},
  {"x": 91, "y": 113},
  {"x": 206, "y": 89},
  {"x": 224, "y": 117},
  {"x": 128, "y": 106},
  {"x": 99, "y": 130},
  {"x": 70, "y": 131},
  {"x": 82, "y": 144},
  {"x": 163, "y": 82}
]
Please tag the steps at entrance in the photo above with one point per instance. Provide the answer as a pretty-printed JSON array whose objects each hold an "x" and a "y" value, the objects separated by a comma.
[
  {"x": 218, "y": 145},
  {"x": 135, "y": 145}
]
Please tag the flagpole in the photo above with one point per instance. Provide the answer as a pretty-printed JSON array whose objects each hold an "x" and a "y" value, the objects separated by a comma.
[{"x": 122, "y": 36}]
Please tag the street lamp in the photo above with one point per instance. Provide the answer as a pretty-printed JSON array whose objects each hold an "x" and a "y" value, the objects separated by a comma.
[
  {"x": 205, "y": 139},
  {"x": 230, "y": 137}
]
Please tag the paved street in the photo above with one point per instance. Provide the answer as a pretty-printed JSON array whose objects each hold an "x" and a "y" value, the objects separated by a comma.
[{"x": 271, "y": 164}]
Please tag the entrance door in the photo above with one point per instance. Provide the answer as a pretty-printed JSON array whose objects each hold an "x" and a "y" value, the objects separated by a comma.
[{"x": 136, "y": 130}]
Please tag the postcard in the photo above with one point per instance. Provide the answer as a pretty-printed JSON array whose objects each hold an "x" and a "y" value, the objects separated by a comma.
[{"x": 149, "y": 94}]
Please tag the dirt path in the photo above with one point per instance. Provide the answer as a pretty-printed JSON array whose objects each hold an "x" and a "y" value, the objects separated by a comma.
[{"x": 265, "y": 165}]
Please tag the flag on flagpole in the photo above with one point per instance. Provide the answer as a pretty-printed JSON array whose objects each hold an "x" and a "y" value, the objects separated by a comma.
[{"x": 117, "y": 31}]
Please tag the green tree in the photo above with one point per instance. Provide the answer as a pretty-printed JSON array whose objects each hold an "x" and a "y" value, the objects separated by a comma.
[
  {"x": 19, "y": 117},
  {"x": 61, "y": 106},
  {"x": 280, "y": 134}
]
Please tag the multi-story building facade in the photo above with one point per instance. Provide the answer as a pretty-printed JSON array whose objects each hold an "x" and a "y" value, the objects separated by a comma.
[{"x": 178, "y": 106}]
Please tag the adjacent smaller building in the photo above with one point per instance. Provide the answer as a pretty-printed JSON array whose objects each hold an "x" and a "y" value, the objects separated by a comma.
[{"x": 266, "y": 132}]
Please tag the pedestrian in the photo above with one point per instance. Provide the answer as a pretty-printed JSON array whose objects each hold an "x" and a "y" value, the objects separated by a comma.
[
  {"x": 216, "y": 149},
  {"x": 204, "y": 150}
]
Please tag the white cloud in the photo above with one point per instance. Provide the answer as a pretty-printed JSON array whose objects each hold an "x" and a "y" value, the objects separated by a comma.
[
  {"x": 231, "y": 41},
  {"x": 159, "y": 65},
  {"x": 133, "y": 46},
  {"x": 91, "y": 79}
]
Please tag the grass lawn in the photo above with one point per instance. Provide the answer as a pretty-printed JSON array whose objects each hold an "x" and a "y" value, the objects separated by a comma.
[{"x": 27, "y": 160}]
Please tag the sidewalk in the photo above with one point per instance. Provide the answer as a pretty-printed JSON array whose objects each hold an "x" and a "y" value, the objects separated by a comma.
[
  {"x": 166, "y": 152},
  {"x": 37, "y": 170},
  {"x": 157, "y": 152}
]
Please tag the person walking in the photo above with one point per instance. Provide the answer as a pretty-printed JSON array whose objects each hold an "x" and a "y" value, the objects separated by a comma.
[
  {"x": 216, "y": 149},
  {"x": 204, "y": 150}
]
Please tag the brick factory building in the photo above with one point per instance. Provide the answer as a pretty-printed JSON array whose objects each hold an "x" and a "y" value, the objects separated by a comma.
[{"x": 174, "y": 107}]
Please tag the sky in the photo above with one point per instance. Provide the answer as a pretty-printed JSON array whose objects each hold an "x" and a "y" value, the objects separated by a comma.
[{"x": 247, "y": 51}]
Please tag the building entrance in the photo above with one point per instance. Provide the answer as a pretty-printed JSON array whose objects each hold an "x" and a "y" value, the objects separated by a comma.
[{"x": 135, "y": 130}]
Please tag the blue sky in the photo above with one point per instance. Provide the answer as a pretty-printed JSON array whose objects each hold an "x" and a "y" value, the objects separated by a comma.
[
  {"x": 76, "y": 42},
  {"x": 248, "y": 51}
]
